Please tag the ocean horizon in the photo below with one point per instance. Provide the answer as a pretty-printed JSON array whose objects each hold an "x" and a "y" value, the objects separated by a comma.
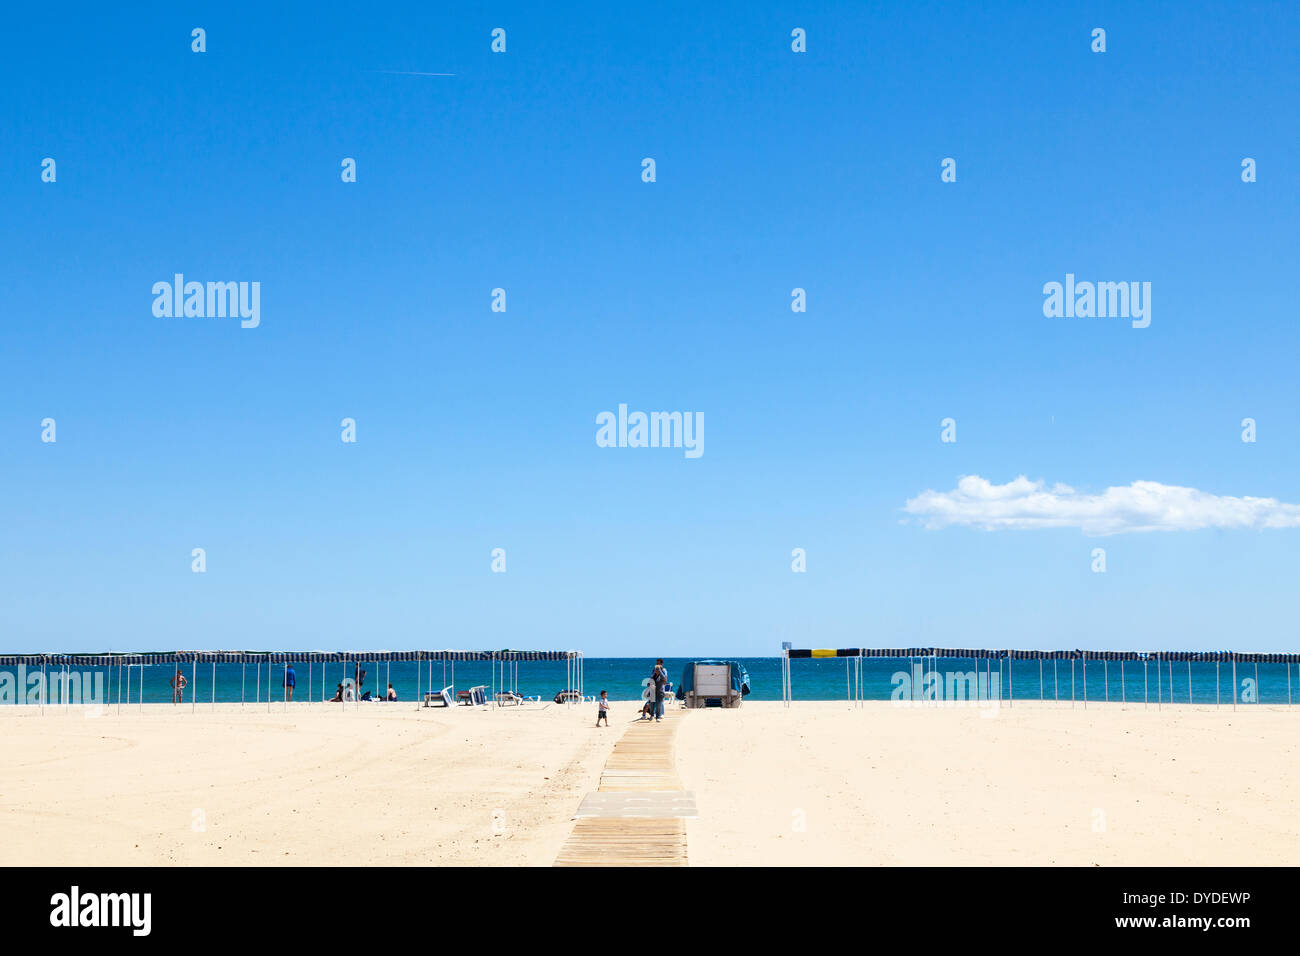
[{"x": 818, "y": 679}]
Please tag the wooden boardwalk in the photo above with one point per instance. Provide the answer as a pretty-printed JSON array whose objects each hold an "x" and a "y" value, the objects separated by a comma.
[{"x": 636, "y": 816}]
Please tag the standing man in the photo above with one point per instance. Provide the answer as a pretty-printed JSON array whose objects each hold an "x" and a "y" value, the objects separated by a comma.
[
  {"x": 290, "y": 681},
  {"x": 178, "y": 687},
  {"x": 660, "y": 677}
]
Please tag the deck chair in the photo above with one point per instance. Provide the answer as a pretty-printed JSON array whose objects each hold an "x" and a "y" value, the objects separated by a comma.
[{"x": 440, "y": 698}]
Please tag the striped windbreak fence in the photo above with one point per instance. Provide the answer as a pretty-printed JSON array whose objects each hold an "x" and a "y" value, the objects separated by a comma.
[
  {"x": 1156, "y": 668},
  {"x": 261, "y": 675}
]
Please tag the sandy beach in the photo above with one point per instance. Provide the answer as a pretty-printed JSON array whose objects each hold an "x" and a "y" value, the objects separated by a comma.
[
  {"x": 375, "y": 785},
  {"x": 818, "y": 784},
  {"x": 1033, "y": 784}
]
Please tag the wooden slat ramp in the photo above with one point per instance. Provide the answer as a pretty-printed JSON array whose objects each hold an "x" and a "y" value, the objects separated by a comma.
[{"x": 638, "y": 815}]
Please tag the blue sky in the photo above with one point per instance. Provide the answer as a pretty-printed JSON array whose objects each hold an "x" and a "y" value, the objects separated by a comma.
[{"x": 476, "y": 429}]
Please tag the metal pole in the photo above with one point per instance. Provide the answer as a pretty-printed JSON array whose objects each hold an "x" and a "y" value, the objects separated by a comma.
[
  {"x": 1123, "y": 691},
  {"x": 1189, "y": 680},
  {"x": 1040, "y": 680},
  {"x": 1056, "y": 687},
  {"x": 1234, "y": 680},
  {"x": 214, "y": 686},
  {"x": 140, "y": 709},
  {"x": 1159, "y": 693},
  {"x": 1146, "y": 695},
  {"x": 194, "y": 682},
  {"x": 243, "y": 682},
  {"x": 1257, "y": 693},
  {"x": 1085, "y": 683},
  {"x": 1218, "y": 694},
  {"x": 1011, "y": 689},
  {"x": 1072, "y": 683},
  {"x": 1105, "y": 677}
]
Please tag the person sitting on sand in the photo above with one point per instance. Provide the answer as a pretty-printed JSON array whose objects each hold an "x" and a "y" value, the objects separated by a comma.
[
  {"x": 392, "y": 694},
  {"x": 338, "y": 695},
  {"x": 178, "y": 687}
]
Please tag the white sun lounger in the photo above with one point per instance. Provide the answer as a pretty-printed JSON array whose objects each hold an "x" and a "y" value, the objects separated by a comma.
[{"x": 441, "y": 698}]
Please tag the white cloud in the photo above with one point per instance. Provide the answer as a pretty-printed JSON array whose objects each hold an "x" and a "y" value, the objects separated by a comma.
[{"x": 1142, "y": 506}]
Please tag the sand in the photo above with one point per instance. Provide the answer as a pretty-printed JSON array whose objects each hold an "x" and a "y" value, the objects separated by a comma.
[
  {"x": 818, "y": 784},
  {"x": 822, "y": 784},
  {"x": 383, "y": 784}
]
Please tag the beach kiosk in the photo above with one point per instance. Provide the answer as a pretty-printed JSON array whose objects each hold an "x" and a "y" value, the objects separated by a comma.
[{"x": 713, "y": 684}]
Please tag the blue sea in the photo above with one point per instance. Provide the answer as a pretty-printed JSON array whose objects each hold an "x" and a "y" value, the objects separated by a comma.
[{"x": 813, "y": 679}]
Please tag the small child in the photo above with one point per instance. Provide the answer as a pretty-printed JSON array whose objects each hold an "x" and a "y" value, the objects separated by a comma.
[{"x": 603, "y": 713}]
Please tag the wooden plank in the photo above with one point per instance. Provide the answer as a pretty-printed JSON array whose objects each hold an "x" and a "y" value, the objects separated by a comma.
[
  {"x": 604, "y": 842},
  {"x": 643, "y": 759}
]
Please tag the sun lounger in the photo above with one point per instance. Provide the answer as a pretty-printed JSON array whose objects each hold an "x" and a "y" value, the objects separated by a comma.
[{"x": 441, "y": 698}]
